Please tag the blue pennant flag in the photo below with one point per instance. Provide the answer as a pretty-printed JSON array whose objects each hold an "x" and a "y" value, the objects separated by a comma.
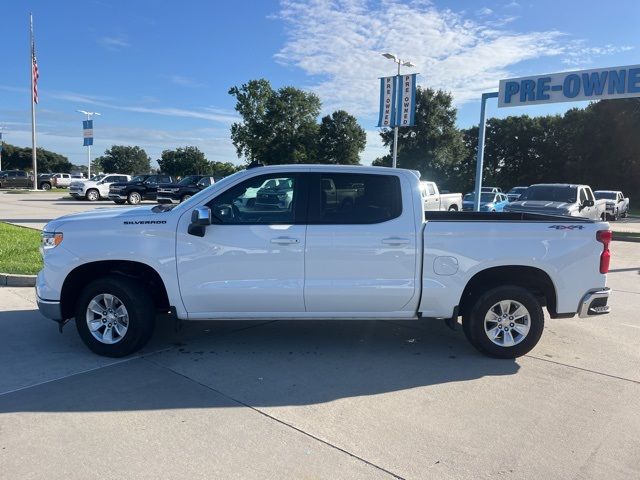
[{"x": 87, "y": 132}]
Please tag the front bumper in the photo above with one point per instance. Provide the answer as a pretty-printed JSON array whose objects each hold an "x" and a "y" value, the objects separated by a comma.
[
  {"x": 594, "y": 303},
  {"x": 49, "y": 308},
  {"x": 117, "y": 196},
  {"x": 166, "y": 198}
]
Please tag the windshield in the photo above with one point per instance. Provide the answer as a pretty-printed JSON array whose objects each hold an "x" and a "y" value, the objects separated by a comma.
[
  {"x": 484, "y": 197},
  {"x": 189, "y": 180},
  {"x": 97, "y": 178},
  {"x": 517, "y": 190},
  {"x": 139, "y": 178},
  {"x": 551, "y": 193},
  {"x": 605, "y": 195}
]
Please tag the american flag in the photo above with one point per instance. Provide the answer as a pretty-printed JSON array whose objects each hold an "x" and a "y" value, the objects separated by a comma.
[{"x": 34, "y": 71}]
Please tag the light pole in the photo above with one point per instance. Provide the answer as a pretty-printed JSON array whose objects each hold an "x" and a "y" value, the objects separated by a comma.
[
  {"x": 89, "y": 114},
  {"x": 404, "y": 63}
]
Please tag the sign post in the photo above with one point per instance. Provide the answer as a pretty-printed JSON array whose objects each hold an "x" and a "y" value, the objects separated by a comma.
[{"x": 582, "y": 85}]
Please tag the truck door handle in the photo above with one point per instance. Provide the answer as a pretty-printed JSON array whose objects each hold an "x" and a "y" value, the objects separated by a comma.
[
  {"x": 285, "y": 240},
  {"x": 395, "y": 241}
]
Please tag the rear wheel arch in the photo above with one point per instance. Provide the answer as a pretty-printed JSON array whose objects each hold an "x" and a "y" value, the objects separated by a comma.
[
  {"x": 81, "y": 276},
  {"x": 533, "y": 279}
]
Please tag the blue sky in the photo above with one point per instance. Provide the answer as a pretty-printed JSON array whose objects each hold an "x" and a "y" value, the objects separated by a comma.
[{"x": 159, "y": 72}]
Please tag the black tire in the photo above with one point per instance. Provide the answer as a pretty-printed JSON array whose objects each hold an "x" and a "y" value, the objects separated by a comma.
[
  {"x": 92, "y": 195},
  {"x": 140, "y": 309},
  {"x": 119, "y": 202},
  {"x": 134, "y": 198},
  {"x": 45, "y": 186},
  {"x": 453, "y": 208},
  {"x": 186, "y": 196},
  {"x": 474, "y": 324},
  {"x": 615, "y": 216}
]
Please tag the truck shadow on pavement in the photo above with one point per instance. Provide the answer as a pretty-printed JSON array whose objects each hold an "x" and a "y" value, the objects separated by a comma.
[{"x": 230, "y": 364}]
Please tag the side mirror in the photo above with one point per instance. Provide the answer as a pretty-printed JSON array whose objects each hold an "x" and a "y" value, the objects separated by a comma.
[{"x": 201, "y": 216}]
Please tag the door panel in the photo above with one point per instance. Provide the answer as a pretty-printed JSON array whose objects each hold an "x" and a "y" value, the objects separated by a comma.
[
  {"x": 368, "y": 266},
  {"x": 253, "y": 261}
]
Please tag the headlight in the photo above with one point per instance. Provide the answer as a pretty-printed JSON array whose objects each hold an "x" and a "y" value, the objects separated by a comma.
[{"x": 51, "y": 240}]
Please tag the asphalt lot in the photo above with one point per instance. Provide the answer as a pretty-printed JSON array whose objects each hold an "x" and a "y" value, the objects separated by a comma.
[{"x": 324, "y": 399}]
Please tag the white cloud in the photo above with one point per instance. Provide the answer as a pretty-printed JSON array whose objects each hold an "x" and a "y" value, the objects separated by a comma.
[
  {"x": 484, "y": 11},
  {"x": 339, "y": 45},
  {"x": 115, "y": 42},
  {"x": 185, "y": 81},
  {"x": 581, "y": 55}
]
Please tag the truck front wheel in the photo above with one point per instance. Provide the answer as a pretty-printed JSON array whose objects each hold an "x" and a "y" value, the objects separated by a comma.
[
  {"x": 114, "y": 316},
  {"x": 505, "y": 322},
  {"x": 93, "y": 195}
]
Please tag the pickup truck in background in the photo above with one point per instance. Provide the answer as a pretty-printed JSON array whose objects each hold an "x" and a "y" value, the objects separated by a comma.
[
  {"x": 559, "y": 199},
  {"x": 616, "y": 204},
  {"x": 139, "y": 188},
  {"x": 15, "y": 179},
  {"x": 61, "y": 180},
  {"x": 184, "y": 189},
  {"x": 433, "y": 200},
  {"x": 96, "y": 188},
  {"x": 383, "y": 257}
]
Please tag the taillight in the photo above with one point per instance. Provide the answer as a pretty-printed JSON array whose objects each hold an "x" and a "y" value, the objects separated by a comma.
[{"x": 604, "y": 237}]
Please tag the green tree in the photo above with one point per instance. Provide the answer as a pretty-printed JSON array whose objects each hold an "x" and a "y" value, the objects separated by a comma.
[
  {"x": 340, "y": 139},
  {"x": 434, "y": 145},
  {"x": 19, "y": 158},
  {"x": 184, "y": 161},
  {"x": 277, "y": 126},
  {"x": 125, "y": 159},
  {"x": 222, "y": 169}
]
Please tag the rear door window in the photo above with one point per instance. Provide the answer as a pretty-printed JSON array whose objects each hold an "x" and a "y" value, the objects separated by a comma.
[
  {"x": 354, "y": 198},
  {"x": 430, "y": 189}
]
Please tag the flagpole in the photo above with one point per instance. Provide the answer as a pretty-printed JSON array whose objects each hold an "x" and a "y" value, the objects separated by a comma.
[{"x": 33, "y": 108}]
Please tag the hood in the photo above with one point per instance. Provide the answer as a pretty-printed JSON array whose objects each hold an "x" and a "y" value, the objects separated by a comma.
[
  {"x": 539, "y": 206},
  {"x": 101, "y": 215},
  {"x": 83, "y": 182},
  {"x": 124, "y": 184}
]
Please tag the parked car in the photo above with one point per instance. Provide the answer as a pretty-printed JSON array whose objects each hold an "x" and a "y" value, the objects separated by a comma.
[
  {"x": 15, "y": 179},
  {"x": 385, "y": 258},
  {"x": 514, "y": 194},
  {"x": 97, "y": 188},
  {"x": 434, "y": 200},
  {"x": 616, "y": 204},
  {"x": 560, "y": 199},
  {"x": 489, "y": 202},
  {"x": 139, "y": 188},
  {"x": 184, "y": 189}
]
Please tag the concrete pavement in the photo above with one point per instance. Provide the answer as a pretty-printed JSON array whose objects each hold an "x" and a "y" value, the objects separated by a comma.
[{"x": 324, "y": 399}]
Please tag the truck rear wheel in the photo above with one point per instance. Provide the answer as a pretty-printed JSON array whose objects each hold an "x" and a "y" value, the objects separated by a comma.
[
  {"x": 453, "y": 208},
  {"x": 505, "y": 322},
  {"x": 134, "y": 198},
  {"x": 114, "y": 316}
]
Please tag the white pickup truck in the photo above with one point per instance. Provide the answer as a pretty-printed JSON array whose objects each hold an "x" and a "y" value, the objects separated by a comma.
[
  {"x": 433, "y": 200},
  {"x": 380, "y": 257},
  {"x": 96, "y": 188}
]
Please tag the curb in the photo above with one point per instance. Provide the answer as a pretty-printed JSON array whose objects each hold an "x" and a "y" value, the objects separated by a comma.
[{"x": 13, "y": 280}]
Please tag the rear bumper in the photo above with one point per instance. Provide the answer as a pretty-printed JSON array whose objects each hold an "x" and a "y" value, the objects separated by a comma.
[{"x": 594, "y": 303}]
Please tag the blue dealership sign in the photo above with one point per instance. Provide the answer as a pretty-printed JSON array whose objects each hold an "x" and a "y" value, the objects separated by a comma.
[{"x": 595, "y": 84}]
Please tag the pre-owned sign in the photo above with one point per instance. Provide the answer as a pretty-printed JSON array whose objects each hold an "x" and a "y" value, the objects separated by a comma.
[{"x": 596, "y": 84}]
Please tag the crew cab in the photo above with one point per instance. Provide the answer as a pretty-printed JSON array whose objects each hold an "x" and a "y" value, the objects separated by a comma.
[
  {"x": 616, "y": 204},
  {"x": 433, "y": 200},
  {"x": 97, "y": 188},
  {"x": 212, "y": 258},
  {"x": 139, "y": 188},
  {"x": 15, "y": 179},
  {"x": 559, "y": 199},
  {"x": 184, "y": 189},
  {"x": 515, "y": 192}
]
